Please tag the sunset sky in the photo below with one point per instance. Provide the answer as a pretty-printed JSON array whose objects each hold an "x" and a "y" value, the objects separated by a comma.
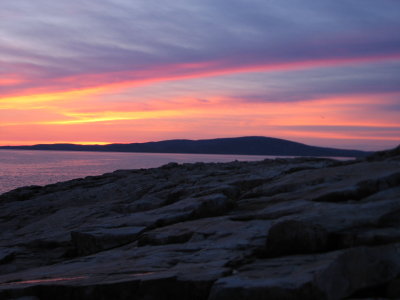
[{"x": 324, "y": 72}]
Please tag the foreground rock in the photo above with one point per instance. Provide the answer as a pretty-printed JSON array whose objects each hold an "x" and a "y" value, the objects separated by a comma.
[{"x": 275, "y": 229}]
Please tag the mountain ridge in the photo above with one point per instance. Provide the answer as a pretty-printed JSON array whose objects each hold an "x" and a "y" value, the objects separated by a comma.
[{"x": 247, "y": 145}]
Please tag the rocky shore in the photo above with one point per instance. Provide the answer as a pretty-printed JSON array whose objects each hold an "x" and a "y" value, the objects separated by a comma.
[{"x": 299, "y": 228}]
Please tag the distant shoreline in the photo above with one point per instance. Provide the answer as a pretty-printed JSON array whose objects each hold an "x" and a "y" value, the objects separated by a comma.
[
  {"x": 259, "y": 146},
  {"x": 211, "y": 154},
  {"x": 16, "y": 169}
]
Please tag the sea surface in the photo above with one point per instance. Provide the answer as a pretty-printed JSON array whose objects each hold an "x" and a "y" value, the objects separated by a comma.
[{"x": 32, "y": 167}]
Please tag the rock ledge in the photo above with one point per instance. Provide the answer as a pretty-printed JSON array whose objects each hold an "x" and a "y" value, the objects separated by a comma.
[{"x": 299, "y": 228}]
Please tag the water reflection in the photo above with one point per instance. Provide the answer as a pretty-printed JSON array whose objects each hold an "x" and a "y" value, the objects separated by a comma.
[
  {"x": 23, "y": 167},
  {"x": 26, "y": 167}
]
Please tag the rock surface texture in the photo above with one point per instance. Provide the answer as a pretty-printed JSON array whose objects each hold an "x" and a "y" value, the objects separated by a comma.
[{"x": 298, "y": 228}]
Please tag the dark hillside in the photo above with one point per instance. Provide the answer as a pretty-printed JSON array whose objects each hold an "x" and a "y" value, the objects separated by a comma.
[{"x": 242, "y": 146}]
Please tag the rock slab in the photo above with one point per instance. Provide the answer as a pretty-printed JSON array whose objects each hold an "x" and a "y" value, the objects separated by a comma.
[{"x": 301, "y": 228}]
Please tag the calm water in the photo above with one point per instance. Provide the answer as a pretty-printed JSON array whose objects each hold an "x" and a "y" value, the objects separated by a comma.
[{"x": 20, "y": 168}]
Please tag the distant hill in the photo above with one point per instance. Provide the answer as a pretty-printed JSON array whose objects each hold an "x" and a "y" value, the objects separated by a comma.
[{"x": 252, "y": 145}]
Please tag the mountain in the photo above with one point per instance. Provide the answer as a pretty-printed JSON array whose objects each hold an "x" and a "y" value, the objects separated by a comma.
[{"x": 252, "y": 145}]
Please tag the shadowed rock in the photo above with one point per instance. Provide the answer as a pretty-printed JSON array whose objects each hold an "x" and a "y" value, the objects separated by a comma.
[
  {"x": 6, "y": 255},
  {"x": 296, "y": 237},
  {"x": 92, "y": 241},
  {"x": 333, "y": 275}
]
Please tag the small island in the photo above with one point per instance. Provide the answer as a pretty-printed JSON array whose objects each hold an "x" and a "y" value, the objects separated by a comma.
[
  {"x": 247, "y": 145},
  {"x": 300, "y": 228}
]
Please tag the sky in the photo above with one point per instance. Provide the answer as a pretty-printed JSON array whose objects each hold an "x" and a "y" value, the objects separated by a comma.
[{"x": 324, "y": 72}]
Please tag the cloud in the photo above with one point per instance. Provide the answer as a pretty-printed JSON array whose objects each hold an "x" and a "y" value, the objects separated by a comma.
[
  {"x": 229, "y": 65},
  {"x": 55, "y": 41},
  {"x": 305, "y": 85}
]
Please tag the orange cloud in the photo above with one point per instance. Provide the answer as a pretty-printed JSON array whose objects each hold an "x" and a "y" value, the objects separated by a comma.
[
  {"x": 9, "y": 81},
  {"x": 88, "y": 83},
  {"x": 187, "y": 117},
  {"x": 112, "y": 116},
  {"x": 84, "y": 114}
]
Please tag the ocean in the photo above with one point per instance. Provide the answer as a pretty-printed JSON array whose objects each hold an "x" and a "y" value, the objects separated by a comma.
[{"x": 31, "y": 167}]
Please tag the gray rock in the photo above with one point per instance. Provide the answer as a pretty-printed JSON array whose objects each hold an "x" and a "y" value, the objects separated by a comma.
[
  {"x": 276, "y": 229},
  {"x": 334, "y": 275},
  {"x": 358, "y": 268}
]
